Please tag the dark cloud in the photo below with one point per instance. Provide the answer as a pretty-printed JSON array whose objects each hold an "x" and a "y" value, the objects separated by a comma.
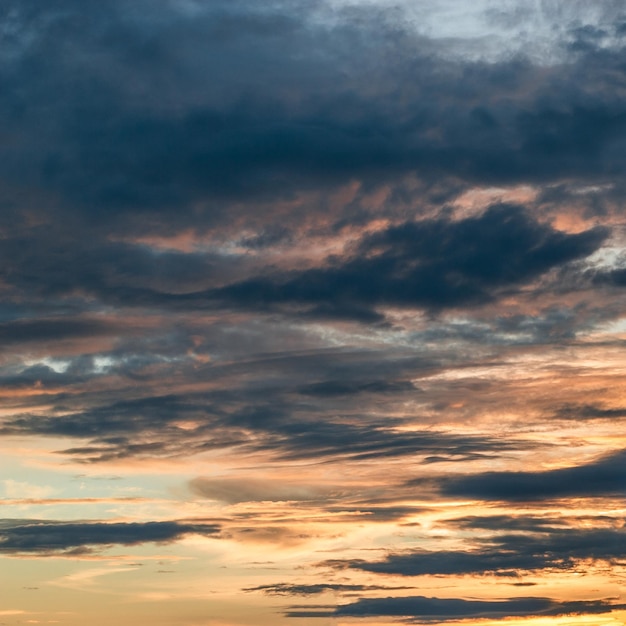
[
  {"x": 604, "y": 477},
  {"x": 181, "y": 109},
  {"x": 41, "y": 330},
  {"x": 432, "y": 264},
  {"x": 613, "y": 278},
  {"x": 53, "y": 537},
  {"x": 150, "y": 427},
  {"x": 590, "y": 412},
  {"x": 424, "y": 609},
  {"x": 252, "y": 402},
  {"x": 135, "y": 126},
  {"x": 114, "y": 273},
  {"x": 505, "y": 555}
]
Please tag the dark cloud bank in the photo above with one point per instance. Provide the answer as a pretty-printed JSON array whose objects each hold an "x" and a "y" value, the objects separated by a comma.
[
  {"x": 423, "y": 609},
  {"x": 148, "y": 427},
  {"x": 431, "y": 264},
  {"x": 603, "y": 478},
  {"x": 128, "y": 126},
  {"x": 48, "y": 537},
  {"x": 136, "y": 113},
  {"x": 505, "y": 555}
]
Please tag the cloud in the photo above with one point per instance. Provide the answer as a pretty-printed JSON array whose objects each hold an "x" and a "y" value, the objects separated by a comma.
[
  {"x": 252, "y": 419},
  {"x": 332, "y": 388},
  {"x": 590, "y": 412},
  {"x": 288, "y": 589},
  {"x": 433, "y": 264},
  {"x": 379, "y": 253},
  {"x": 42, "y": 330},
  {"x": 505, "y": 555},
  {"x": 425, "y": 609},
  {"x": 191, "y": 108},
  {"x": 522, "y": 523},
  {"x": 48, "y": 537},
  {"x": 604, "y": 477}
]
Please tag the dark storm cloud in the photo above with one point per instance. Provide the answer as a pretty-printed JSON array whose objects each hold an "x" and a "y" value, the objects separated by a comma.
[
  {"x": 53, "y": 537},
  {"x": 605, "y": 477},
  {"x": 423, "y": 609},
  {"x": 127, "y": 106},
  {"x": 505, "y": 555},
  {"x": 124, "y": 119},
  {"x": 433, "y": 264},
  {"x": 161, "y": 111}
]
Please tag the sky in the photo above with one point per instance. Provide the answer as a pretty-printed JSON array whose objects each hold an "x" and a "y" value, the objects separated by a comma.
[{"x": 312, "y": 312}]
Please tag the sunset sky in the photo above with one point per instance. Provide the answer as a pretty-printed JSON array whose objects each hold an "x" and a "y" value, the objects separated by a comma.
[{"x": 313, "y": 312}]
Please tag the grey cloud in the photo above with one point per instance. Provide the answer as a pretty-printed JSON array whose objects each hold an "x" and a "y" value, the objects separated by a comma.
[
  {"x": 158, "y": 125},
  {"x": 149, "y": 429},
  {"x": 421, "y": 609},
  {"x": 232, "y": 129},
  {"x": 289, "y": 589},
  {"x": 433, "y": 264},
  {"x": 256, "y": 404},
  {"x": 53, "y": 537},
  {"x": 40, "y": 330},
  {"x": 604, "y": 477},
  {"x": 505, "y": 555},
  {"x": 141, "y": 115},
  {"x": 332, "y": 388},
  {"x": 450, "y": 609},
  {"x": 523, "y": 523},
  {"x": 590, "y": 412},
  {"x": 115, "y": 273}
]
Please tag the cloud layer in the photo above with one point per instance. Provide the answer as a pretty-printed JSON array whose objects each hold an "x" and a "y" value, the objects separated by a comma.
[{"x": 316, "y": 300}]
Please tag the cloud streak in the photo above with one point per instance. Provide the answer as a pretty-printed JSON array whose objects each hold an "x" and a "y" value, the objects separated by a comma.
[
  {"x": 48, "y": 537},
  {"x": 602, "y": 478},
  {"x": 425, "y": 610},
  {"x": 505, "y": 555},
  {"x": 428, "y": 264}
]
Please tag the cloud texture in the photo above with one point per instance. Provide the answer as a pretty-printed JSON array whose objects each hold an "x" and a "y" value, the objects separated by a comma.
[{"x": 312, "y": 299}]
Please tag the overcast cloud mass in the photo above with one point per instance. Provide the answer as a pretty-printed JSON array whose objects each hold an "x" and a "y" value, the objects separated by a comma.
[{"x": 312, "y": 312}]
